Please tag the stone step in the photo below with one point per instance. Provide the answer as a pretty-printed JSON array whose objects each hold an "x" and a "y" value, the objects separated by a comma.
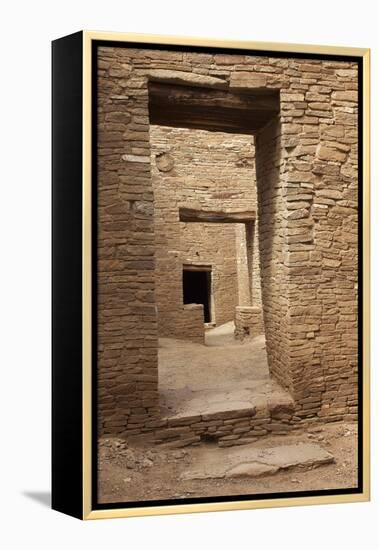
[{"x": 226, "y": 427}]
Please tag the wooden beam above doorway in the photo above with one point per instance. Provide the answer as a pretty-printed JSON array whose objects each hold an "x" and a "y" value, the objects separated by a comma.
[
  {"x": 211, "y": 109},
  {"x": 216, "y": 216}
]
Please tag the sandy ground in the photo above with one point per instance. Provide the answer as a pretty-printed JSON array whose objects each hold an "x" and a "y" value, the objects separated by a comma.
[
  {"x": 141, "y": 471},
  {"x": 222, "y": 375}
]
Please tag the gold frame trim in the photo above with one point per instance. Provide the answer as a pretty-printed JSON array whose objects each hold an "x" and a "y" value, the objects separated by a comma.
[{"x": 364, "y": 53}]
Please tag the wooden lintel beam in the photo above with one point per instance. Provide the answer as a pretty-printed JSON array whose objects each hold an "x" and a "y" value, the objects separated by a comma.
[
  {"x": 187, "y": 96},
  {"x": 197, "y": 267},
  {"x": 212, "y": 216},
  {"x": 211, "y": 109}
]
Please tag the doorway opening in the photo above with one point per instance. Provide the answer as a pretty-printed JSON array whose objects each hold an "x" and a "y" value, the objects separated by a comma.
[
  {"x": 207, "y": 269},
  {"x": 197, "y": 284}
]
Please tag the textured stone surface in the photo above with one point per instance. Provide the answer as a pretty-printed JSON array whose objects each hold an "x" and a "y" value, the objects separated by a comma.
[
  {"x": 212, "y": 172},
  {"x": 189, "y": 78},
  {"x": 223, "y": 394},
  {"x": 227, "y": 110},
  {"x": 214, "y": 169},
  {"x": 307, "y": 187},
  {"x": 250, "y": 461},
  {"x": 248, "y": 322}
]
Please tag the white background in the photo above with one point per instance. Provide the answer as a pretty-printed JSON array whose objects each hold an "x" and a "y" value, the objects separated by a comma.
[{"x": 26, "y": 31}]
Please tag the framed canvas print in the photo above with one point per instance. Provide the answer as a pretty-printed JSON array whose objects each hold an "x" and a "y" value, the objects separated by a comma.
[{"x": 210, "y": 275}]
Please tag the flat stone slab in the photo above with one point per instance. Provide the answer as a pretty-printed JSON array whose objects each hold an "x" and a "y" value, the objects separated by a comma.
[
  {"x": 251, "y": 461},
  {"x": 209, "y": 402},
  {"x": 182, "y": 77},
  {"x": 251, "y": 469}
]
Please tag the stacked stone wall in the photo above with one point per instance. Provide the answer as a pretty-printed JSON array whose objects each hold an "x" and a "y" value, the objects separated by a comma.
[
  {"x": 201, "y": 170},
  {"x": 127, "y": 322},
  {"x": 271, "y": 214},
  {"x": 191, "y": 323},
  {"x": 215, "y": 245},
  {"x": 308, "y": 192},
  {"x": 227, "y": 428},
  {"x": 248, "y": 322}
]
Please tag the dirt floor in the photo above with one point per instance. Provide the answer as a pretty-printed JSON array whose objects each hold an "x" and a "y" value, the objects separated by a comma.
[
  {"x": 223, "y": 374},
  {"x": 141, "y": 471}
]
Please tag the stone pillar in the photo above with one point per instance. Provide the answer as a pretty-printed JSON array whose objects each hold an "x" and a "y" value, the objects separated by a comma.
[
  {"x": 319, "y": 183},
  {"x": 248, "y": 322},
  {"x": 127, "y": 325},
  {"x": 244, "y": 271},
  {"x": 191, "y": 325},
  {"x": 307, "y": 197}
]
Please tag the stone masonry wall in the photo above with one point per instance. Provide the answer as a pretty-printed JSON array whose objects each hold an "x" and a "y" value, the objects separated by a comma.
[
  {"x": 203, "y": 170},
  {"x": 316, "y": 263},
  {"x": 227, "y": 428},
  {"x": 308, "y": 256},
  {"x": 127, "y": 324},
  {"x": 248, "y": 322},
  {"x": 214, "y": 244},
  {"x": 272, "y": 246},
  {"x": 248, "y": 265},
  {"x": 191, "y": 323},
  {"x": 321, "y": 239}
]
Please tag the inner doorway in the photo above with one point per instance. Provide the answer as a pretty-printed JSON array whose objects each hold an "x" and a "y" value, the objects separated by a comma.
[{"x": 197, "y": 283}]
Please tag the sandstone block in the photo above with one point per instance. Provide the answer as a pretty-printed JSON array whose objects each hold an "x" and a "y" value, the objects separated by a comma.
[
  {"x": 246, "y": 80},
  {"x": 186, "y": 78}
]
